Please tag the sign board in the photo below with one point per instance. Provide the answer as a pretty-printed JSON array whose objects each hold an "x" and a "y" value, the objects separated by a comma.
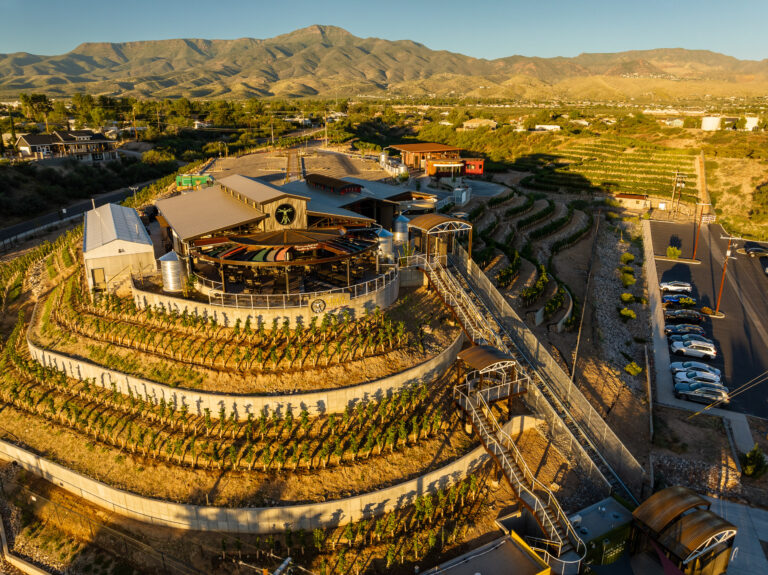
[
  {"x": 708, "y": 219},
  {"x": 329, "y": 302},
  {"x": 662, "y": 205}
]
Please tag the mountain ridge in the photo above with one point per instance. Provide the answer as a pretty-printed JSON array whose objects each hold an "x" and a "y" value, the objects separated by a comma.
[{"x": 329, "y": 61}]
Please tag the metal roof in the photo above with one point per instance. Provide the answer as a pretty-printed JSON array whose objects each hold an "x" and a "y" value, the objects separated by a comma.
[
  {"x": 482, "y": 357},
  {"x": 334, "y": 184},
  {"x": 663, "y": 507},
  {"x": 439, "y": 222},
  {"x": 112, "y": 222},
  {"x": 424, "y": 148},
  {"x": 254, "y": 190},
  {"x": 692, "y": 531},
  {"x": 206, "y": 211}
]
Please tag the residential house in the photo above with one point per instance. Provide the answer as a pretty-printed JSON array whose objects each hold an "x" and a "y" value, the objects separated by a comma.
[{"x": 84, "y": 145}]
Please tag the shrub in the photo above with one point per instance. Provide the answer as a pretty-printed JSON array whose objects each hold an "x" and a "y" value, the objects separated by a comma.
[
  {"x": 627, "y": 269},
  {"x": 633, "y": 369},
  {"x": 627, "y": 298},
  {"x": 753, "y": 464},
  {"x": 628, "y": 279},
  {"x": 627, "y": 258},
  {"x": 673, "y": 252},
  {"x": 687, "y": 302},
  {"x": 627, "y": 314},
  {"x": 707, "y": 310}
]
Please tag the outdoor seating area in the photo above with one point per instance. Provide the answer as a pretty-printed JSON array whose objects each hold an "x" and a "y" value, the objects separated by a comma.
[{"x": 285, "y": 262}]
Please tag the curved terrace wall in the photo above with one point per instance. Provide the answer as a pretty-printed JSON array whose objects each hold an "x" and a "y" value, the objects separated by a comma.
[
  {"x": 227, "y": 316},
  {"x": 317, "y": 402},
  {"x": 253, "y": 519}
]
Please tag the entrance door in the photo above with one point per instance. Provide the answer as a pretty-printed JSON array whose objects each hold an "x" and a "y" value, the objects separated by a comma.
[{"x": 99, "y": 279}]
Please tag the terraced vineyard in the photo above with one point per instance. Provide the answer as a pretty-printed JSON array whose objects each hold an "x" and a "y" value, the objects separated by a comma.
[{"x": 613, "y": 166}]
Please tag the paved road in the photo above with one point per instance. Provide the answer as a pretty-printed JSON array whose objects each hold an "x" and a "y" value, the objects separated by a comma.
[
  {"x": 73, "y": 210},
  {"x": 742, "y": 336}
]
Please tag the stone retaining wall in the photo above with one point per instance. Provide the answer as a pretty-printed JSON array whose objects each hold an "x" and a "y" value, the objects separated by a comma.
[
  {"x": 253, "y": 519},
  {"x": 227, "y": 316},
  {"x": 318, "y": 402}
]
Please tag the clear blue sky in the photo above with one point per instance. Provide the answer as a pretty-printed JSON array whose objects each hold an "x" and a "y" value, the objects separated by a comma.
[{"x": 480, "y": 28}]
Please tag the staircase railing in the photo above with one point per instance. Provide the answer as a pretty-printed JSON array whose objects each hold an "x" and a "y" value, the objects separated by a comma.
[
  {"x": 552, "y": 502},
  {"x": 531, "y": 500}
]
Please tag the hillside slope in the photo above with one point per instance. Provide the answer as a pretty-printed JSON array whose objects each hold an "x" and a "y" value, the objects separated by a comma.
[{"x": 329, "y": 61}]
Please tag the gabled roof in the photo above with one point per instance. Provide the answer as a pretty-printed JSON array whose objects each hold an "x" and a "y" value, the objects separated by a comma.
[
  {"x": 37, "y": 139},
  {"x": 254, "y": 190},
  {"x": 112, "y": 222},
  {"x": 206, "y": 211}
]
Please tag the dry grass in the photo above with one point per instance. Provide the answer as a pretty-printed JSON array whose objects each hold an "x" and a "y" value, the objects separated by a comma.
[
  {"x": 417, "y": 308},
  {"x": 732, "y": 184},
  {"x": 150, "y": 477}
]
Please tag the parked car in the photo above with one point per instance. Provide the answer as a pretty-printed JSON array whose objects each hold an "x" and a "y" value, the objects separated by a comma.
[
  {"x": 698, "y": 349},
  {"x": 702, "y": 393},
  {"x": 690, "y": 337},
  {"x": 755, "y": 251},
  {"x": 678, "y": 298},
  {"x": 683, "y": 315},
  {"x": 683, "y": 328},
  {"x": 697, "y": 377},
  {"x": 676, "y": 286},
  {"x": 693, "y": 366}
]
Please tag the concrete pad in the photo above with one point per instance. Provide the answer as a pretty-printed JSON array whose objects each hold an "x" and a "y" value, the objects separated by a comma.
[{"x": 747, "y": 556}]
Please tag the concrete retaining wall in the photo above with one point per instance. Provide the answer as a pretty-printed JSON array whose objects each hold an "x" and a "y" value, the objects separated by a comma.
[
  {"x": 326, "y": 401},
  {"x": 227, "y": 316},
  {"x": 251, "y": 519}
]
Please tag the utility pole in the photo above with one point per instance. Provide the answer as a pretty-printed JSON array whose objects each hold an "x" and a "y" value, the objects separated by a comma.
[
  {"x": 326, "y": 127},
  {"x": 698, "y": 227},
  {"x": 730, "y": 239},
  {"x": 679, "y": 183}
]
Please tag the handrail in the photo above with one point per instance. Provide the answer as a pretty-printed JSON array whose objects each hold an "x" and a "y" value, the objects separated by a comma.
[
  {"x": 535, "y": 502},
  {"x": 300, "y": 299},
  {"x": 552, "y": 500}
]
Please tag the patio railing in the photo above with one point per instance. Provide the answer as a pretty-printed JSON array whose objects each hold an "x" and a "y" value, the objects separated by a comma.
[{"x": 304, "y": 299}]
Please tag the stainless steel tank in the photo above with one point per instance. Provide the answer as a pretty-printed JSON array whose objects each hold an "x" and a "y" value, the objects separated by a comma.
[
  {"x": 400, "y": 229},
  {"x": 172, "y": 270},
  {"x": 386, "y": 244}
]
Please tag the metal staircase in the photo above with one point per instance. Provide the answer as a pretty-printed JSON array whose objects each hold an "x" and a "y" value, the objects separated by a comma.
[
  {"x": 577, "y": 431},
  {"x": 561, "y": 547}
]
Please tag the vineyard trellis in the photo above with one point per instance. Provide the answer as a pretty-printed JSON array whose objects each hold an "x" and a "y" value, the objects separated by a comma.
[
  {"x": 163, "y": 430},
  {"x": 200, "y": 341}
]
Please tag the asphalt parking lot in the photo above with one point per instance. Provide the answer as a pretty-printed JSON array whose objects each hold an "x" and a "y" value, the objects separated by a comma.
[{"x": 742, "y": 336}]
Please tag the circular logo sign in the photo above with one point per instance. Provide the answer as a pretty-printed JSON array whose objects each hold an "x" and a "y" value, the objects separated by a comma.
[
  {"x": 285, "y": 214},
  {"x": 318, "y": 306}
]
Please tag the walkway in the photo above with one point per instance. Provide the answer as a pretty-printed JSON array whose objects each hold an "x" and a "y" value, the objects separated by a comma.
[{"x": 748, "y": 557}]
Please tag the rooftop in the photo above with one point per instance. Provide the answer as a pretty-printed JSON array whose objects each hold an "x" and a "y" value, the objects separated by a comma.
[
  {"x": 508, "y": 555},
  {"x": 206, "y": 211},
  {"x": 112, "y": 222},
  {"x": 253, "y": 190},
  {"x": 423, "y": 148}
]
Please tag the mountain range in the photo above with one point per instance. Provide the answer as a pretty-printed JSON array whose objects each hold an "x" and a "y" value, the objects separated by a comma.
[{"x": 327, "y": 61}]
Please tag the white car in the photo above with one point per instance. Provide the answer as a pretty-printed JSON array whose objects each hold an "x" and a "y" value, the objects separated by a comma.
[
  {"x": 698, "y": 349},
  {"x": 676, "y": 287},
  {"x": 697, "y": 377},
  {"x": 693, "y": 366}
]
